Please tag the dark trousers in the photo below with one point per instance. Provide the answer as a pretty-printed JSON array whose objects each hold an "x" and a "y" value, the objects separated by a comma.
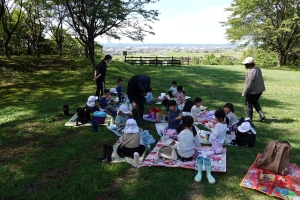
[
  {"x": 252, "y": 101},
  {"x": 139, "y": 111},
  {"x": 128, "y": 152},
  {"x": 100, "y": 87}
]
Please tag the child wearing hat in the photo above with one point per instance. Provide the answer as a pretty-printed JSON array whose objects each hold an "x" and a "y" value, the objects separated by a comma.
[
  {"x": 91, "y": 105},
  {"x": 122, "y": 117},
  {"x": 131, "y": 140}
]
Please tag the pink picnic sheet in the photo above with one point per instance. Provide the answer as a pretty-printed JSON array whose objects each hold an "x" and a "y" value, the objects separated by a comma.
[
  {"x": 218, "y": 161},
  {"x": 262, "y": 180}
]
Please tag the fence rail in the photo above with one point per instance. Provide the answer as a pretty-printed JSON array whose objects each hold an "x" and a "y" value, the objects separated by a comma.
[{"x": 153, "y": 60}]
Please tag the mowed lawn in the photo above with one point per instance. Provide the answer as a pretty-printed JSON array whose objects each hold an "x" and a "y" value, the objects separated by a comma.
[{"x": 42, "y": 159}]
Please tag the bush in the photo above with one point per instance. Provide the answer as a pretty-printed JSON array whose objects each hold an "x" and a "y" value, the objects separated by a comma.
[{"x": 261, "y": 57}]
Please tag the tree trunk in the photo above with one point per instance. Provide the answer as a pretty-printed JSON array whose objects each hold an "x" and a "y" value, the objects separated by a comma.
[
  {"x": 6, "y": 48},
  {"x": 86, "y": 49},
  {"x": 91, "y": 47},
  {"x": 281, "y": 59}
]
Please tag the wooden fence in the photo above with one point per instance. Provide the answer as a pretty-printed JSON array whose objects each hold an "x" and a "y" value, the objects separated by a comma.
[{"x": 153, "y": 60}]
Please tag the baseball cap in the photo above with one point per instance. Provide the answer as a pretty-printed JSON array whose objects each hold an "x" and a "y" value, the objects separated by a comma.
[
  {"x": 91, "y": 101},
  {"x": 143, "y": 82},
  {"x": 113, "y": 90},
  {"x": 248, "y": 60}
]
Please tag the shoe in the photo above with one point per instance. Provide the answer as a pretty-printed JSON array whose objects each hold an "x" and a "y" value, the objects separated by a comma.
[
  {"x": 261, "y": 116},
  {"x": 108, "y": 155},
  {"x": 199, "y": 164},
  {"x": 104, "y": 153},
  {"x": 207, "y": 164}
]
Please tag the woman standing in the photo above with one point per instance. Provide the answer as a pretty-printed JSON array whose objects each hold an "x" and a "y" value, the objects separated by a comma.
[
  {"x": 99, "y": 76},
  {"x": 254, "y": 87}
]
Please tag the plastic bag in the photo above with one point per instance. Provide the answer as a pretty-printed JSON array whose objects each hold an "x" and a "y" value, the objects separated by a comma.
[{"x": 216, "y": 147}]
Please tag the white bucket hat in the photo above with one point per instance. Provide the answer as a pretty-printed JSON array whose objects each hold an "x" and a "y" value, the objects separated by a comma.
[
  {"x": 244, "y": 127},
  {"x": 248, "y": 60},
  {"x": 91, "y": 101},
  {"x": 131, "y": 126},
  {"x": 113, "y": 90},
  {"x": 124, "y": 109}
]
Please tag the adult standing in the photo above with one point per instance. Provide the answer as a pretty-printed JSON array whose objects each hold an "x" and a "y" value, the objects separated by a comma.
[
  {"x": 99, "y": 76},
  {"x": 136, "y": 89},
  {"x": 254, "y": 87}
]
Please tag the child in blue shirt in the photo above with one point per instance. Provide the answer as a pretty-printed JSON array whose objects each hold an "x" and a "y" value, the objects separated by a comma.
[
  {"x": 120, "y": 90},
  {"x": 174, "y": 115},
  {"x": 173, "y": 90},
  {"x": 149, "y": 97},
  {"x": 104, "y": 103}
]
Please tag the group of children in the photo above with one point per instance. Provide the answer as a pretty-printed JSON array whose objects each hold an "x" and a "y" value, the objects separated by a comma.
[{"x": 188, "y": 136}]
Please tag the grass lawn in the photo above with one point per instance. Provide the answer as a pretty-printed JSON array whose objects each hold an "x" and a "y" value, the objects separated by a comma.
[{"x": 42, "y": 159}]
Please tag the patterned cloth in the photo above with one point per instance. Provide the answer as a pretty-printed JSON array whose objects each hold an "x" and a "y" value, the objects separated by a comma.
[{"x": 284, "y": 187}]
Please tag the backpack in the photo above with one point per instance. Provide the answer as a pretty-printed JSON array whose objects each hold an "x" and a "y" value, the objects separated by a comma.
[
  {"x": 276, "y": 157},
  {"x": 188, "y": 106},
  {"x": 245, "y": 139},
  {"x": 83, "y": 115}
]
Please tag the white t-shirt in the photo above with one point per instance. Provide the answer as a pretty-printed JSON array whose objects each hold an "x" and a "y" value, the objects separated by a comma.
[
  {"x": 218, "y": 133},
  {"x": 232, "y": 118},
  {"x": 195, "y": 111},
  {"x": 174, "y": 90},
  {"x": 186, "y": 142}
]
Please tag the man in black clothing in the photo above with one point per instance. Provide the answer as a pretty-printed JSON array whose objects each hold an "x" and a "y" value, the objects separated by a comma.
[
  {"x": 136, "y": 89},
  {"x": 99, "y": 76}
]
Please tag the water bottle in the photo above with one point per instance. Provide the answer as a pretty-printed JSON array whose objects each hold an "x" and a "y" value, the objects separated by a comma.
[{"x": 136, "y": 156}]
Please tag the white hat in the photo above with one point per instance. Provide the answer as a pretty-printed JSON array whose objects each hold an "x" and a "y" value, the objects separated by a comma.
[
  {"x": 244, "y": 127},
  {"x": 124, "y": 109},
  {"x": 248, "y": 60},
  {"x": 91, "y": 101},
  {"x": 131, "y": 126},
  {"x": 113, "y": 90}
]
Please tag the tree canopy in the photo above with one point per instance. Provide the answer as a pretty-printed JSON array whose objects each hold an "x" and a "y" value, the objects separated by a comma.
[{"x": 273, "y": 25}]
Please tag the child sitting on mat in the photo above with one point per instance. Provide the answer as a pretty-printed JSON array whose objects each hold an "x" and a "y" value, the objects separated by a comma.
[
  {"x": 105, "y": 105},
  {"x": 173, "y": 90},
  {"x": 196, "y": 111},
  {"x": 180, "y": 96},
  {"x": 218, "y": 132},
  {"x": 91, "y": 104},
  {"x": 149, "y": 97},
  {"x": 228, "y": 109},
  {"x": 165, "y": 103},
  {"x": 174, "y": 115},
  {"x": 122, "y": 117},
  {"x": 187, "y": 139}
]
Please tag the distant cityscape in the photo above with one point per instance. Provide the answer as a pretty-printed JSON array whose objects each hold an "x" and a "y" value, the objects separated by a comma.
[{"x": 159, "y": 49}]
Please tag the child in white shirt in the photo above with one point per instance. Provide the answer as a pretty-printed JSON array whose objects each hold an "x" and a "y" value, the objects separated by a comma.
[
  {"x": 187, "y": 139},
  {"x": 195, "y": 110},
  {"x": 173, "y": 90},
  {"x": 218, "y": 132}
]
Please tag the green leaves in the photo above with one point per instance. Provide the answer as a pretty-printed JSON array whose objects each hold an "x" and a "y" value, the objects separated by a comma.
[{"x": 266, "y": 23}]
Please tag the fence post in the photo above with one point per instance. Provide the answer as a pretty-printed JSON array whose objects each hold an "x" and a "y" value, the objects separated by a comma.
[
  {"x": 156, "y": 61},
  {"x": 140, "y": 60},
  {"x": 172, "y": 63},
  {"x": 125, "y": 59}
]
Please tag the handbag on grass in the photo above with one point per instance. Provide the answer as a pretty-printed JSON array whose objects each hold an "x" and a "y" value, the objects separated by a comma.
[
  {"x": 168, "y": 150},
  {"x": 276, "y": 157}
]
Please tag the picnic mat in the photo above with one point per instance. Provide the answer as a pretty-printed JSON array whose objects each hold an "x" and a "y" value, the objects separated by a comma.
[
  {"x": 116, "y": 159},
  {"x": 284, "y": 187},
  {"x": 113, "y": 128},
  {"x": 218, "y": 161},
  {"x": 72, "y": 121},
  {"x": 161, "y": 127}
]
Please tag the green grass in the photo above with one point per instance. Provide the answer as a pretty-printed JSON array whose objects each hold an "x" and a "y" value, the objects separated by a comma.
[{"x": 42, "y": 159}]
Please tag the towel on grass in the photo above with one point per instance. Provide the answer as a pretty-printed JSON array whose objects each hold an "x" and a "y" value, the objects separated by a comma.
[
  {"x": 262, "y": 180},
  {"x": 72, "y": 121},
  {"x": 218, "y": 161}
]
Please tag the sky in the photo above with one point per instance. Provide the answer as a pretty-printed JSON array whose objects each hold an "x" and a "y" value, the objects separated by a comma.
[{"x": 186, "y": 22}]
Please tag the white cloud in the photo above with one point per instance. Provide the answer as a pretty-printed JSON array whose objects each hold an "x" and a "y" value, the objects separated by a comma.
[{"x": 200, "y": 27}]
